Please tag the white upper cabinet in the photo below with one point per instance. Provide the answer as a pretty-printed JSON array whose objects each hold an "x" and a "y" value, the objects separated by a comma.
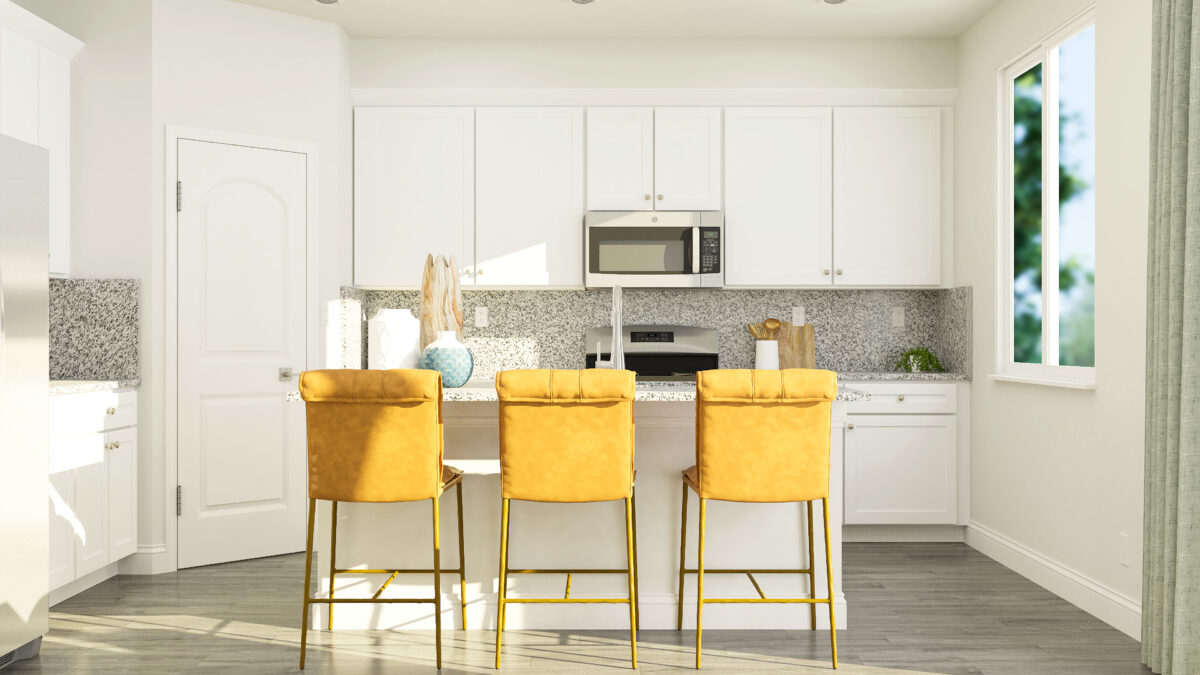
[
  {"x": 18, "y": 86},
  {"x": 687, "y": 159},
  {"x": 620, "y": 159},
  {"x": 645, "y": 159},
  {"x": 529, "y": 196},
  {"x": 414, "y": 192},
  {"x": 887, "y": 196},
  {"x": 778, "y": 196},
  {"x": 35, "y": 107}
]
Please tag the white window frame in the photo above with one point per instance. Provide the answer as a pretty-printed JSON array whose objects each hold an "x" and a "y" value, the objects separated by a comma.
[{"x": 1006, "y": 368}]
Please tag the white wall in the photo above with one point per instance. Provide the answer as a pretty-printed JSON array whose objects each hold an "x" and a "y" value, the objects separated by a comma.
[
  {"x": 668, "y": 63},
  {"x": 230, "y": 67},
  {"x": 1057, "y": 473}
]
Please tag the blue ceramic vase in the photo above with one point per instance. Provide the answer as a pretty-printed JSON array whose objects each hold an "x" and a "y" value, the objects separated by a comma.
[{"x": 449, "y": 357}]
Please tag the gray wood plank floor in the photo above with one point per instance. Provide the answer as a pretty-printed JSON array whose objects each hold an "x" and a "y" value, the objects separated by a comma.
[{"x": 931, "y": 608}]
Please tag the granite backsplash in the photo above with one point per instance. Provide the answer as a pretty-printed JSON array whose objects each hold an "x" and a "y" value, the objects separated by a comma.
[
  {"x": 545, "y": 329},
  {"x": 94, "y": 329}
]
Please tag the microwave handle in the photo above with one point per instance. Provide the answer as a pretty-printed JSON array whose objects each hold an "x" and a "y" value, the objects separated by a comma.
[{"x": 695, "y": 250}]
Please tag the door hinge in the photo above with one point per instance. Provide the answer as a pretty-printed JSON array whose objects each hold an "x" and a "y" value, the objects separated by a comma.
[
  {"x": 178, "y": 196},
  {"x": 178, "y": 500}
]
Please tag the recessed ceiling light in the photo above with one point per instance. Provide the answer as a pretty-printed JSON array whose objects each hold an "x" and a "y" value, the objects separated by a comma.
[
  {"x": 582, "y": 2},
  {"x": 828, "y": 2},
  {"x": 328, "y": 2}
]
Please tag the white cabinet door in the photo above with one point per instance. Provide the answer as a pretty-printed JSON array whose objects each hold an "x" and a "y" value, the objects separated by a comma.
[
  {"x": 529, "y": 197},
  {"x": 887, "y": 196},
  {"x": 414, "y": 192},
  {"x": 121, "y": 462},
  {"x": 620, "y": 159},
  {"x": 54, "y": 134},
  {"x": 687, "y": 159},
  {"x": 900, "y": 469},
  {"x": 778, "y": 199},
  {"x": 62, "y": 529},
  {"x": 18, "y": 86},
  {"x": 91, "y": 505}
]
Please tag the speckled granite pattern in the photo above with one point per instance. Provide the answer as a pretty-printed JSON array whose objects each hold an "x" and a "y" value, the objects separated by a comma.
[
  {"x": 94, "y": 329},
  {"x": 899, "y": 376},
  {"x": 646, "y": 393},
  {"x": 63, "y": 387},
  {"x": 545, "y": 329}
]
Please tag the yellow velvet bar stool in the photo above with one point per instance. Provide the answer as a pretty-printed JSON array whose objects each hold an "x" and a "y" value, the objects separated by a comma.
[
  {"x": 567, "y": 436},
  {"x": 376, "y": 436},
  {"x": 761, "y": 436}
]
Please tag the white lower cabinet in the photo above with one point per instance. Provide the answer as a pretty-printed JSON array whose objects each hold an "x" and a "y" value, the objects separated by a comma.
[
  {"x": 902, "y": 456},
  {"x": 93, "y": 483}
]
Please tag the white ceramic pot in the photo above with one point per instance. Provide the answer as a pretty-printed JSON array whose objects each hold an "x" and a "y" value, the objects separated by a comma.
[{"x": 766, "y": 354}]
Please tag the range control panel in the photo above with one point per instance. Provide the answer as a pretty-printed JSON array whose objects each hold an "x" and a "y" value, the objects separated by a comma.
[
  {"x": 710, "y": 250},
  {"x": 651, "y": 336}
]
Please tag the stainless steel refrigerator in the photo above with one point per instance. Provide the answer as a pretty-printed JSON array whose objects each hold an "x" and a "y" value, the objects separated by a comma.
[{"x": 24, "y": 371}]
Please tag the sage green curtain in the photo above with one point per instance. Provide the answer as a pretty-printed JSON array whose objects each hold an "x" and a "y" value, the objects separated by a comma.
[{"x": 1171, "y": 581}]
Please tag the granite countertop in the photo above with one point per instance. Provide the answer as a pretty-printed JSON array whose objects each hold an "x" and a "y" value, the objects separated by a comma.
[
  {"x": 902, "y": 376},
  {"x": 61, "y": 387},
  {"x": 647, "y": 392}
]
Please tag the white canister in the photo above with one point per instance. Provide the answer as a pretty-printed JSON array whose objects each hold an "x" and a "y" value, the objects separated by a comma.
[
  {"x": 766, "y": 354},
  {"x": 393, "y": 340}
]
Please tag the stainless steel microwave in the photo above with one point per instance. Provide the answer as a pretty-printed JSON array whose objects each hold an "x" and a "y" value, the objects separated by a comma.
[{"x": 654, "y": 249}]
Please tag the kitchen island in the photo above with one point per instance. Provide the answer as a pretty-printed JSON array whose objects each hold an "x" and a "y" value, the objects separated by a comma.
[{"x": 582, "y": 536}]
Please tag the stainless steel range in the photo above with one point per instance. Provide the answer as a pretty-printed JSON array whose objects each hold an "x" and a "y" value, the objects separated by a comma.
[{"x": 658, "y": 352}]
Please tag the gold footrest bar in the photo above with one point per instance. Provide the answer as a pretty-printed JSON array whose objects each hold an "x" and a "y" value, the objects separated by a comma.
[
  {"x": 569, "y": 571},
  {"x": 749, "y": 576},
  {"x": 803, "y": 601},
  {"x": 729, "y": 571},
  {"x": 531, "y": 601},
  {"x": 389, "y": 581},
  {"x": 444, "y": 570},
  {"x": 338, "y": 601}
]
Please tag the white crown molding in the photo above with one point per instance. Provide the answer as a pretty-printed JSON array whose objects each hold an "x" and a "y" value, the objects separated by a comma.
[{"x": 652, "y": 97}]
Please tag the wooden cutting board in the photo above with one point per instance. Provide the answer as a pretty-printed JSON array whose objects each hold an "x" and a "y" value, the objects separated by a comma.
[{"x": 797, "y": 346}]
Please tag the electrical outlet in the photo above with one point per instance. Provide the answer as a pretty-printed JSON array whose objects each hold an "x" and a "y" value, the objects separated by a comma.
[
  {"x": 797, "y": 316},
  {"x": 481, "y": 317},
  {"x": 1124, "y": 552},
  {"x": 897, "y": 317}
]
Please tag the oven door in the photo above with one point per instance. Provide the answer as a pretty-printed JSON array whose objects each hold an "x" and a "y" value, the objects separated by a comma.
[{"x": 644, "y": 249}]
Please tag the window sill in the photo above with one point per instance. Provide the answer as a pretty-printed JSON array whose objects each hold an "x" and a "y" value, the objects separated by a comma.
[{"x": 1065, "y": 383}]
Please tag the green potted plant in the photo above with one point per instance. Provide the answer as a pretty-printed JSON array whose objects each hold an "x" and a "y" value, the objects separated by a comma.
[{"x": 919, "y": 360}]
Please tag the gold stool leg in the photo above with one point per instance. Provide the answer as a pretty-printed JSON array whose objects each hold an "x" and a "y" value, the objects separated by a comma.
[
  {"x": 630, "y": 547},
  {"x": 462, "y": 558},
  {"x": 812, "y": 570},
  {"x": 636, "y": 586},
  {"x": 700, "y": 582},
  {"x": 682, "y": 557},
  {"x": 332, "y": 558},
  {"x": 312, "y": 512},
  {"x": 437, "y": 583},
  {"x": 829, "y": 574},
  {"x": 503, "y": 576}
]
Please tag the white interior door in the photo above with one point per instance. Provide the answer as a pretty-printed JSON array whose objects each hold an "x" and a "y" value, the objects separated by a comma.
[{"x": 242, "y": 272}]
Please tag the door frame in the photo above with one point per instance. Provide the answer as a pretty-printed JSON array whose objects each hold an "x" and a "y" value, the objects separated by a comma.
[{"x": 174, "y": 134}]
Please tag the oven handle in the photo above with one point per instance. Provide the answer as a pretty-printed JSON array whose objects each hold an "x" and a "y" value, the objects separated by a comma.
[{"x": 695, "y": 250}]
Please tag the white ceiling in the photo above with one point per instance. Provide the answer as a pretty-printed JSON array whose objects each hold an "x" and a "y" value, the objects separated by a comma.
[{"x": 642, "y": 18}]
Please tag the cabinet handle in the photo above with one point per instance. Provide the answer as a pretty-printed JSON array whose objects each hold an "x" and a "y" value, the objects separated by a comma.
[
  {"x": 469, "y": 272},
  {"x": 660, "y": 198},
  {"x": 850, "y": 426},
  {"x": 839, "y": 271},
  {"x": 648, "y": 197},
  {"x": 110, "y": 411},
  {"x": 116, "y": 444},
  {"x": 479, "y": 273},
  {"x": 826, "y": 272},
  {"x": 900, "y": 397}
]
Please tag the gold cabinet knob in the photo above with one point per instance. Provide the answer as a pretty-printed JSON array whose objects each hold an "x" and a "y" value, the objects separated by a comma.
[
  {"x": 478, "y": 273},
  {"x": 839, "y": 271},
  {"x": 826, "y": 272},
  {"x": 647, "y": 198},
  {"x": 900, "y": 397},
  {"x": 660, "y": 198},
  {"x": 110, "y": 411},
  {"x": 850, "y": 426}
]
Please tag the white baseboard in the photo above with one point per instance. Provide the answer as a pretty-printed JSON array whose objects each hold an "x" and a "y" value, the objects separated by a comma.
[
  {"x": 1112, "y": 607},
  {"x": 903, "y": 533},
  {"x": 153, "y": 559}
]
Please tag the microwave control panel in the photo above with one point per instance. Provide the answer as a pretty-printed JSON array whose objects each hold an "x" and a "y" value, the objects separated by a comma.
[{"x": 710, "y": 250}]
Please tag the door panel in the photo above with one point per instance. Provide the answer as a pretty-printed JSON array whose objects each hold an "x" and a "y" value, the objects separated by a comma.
[
  {"x": 242, "y": 317},
  {"x": 121, "y": 459},
  {"x": 901, "y": 469},
  {"x": 62, "y": 528},
  {"x": 687, "y": 159},
  {"x": 414, "y": 192},
  {"x": 778, "y": 196},
  {"x": 620, "y": 159},
  {"x": 887, "y": 186},
  {"x": 529, "y": 210}
]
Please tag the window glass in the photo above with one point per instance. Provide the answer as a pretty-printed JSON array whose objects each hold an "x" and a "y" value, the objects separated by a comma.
[{"x": 1027, "y": 216}]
